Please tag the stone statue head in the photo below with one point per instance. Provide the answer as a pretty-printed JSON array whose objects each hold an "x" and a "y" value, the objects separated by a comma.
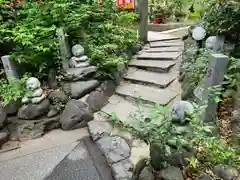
[
  {"x": 211, "y": 42},
  {"x": 33, "y": 83},
  {"x": 77, "y": 50}
]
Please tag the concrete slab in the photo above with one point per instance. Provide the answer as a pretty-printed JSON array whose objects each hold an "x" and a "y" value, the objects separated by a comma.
[
  {"x": 159, "y": 56},
  {"x": 164, "y": 49},
  {"x": 172, "y": 43},
  {"x": 78, "y": 165},
  {"x": 52, "y": 139},
  {"x": 34, "y": 166},
  {"x": 156, "y": 36},
  {"x": 161, "y": 80},
  {"x": 147, "y": 94},
  {"x": 158, "y": 66}
]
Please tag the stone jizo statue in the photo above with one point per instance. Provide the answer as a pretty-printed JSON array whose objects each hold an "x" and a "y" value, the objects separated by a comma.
[
  {"x": 78, "y": 60},
  {"x": 215, "y": 43},
  {"x": 35, "y": 93}
]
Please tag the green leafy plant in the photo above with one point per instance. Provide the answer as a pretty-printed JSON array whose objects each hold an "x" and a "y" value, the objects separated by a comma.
[
  {"x": 12, "y": 91},
  {"x": 103, "y": 31}
]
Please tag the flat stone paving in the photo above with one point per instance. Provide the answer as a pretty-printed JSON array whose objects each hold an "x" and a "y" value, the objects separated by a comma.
[
  {"x": 158, "y": 56},
  {"x": 163, "y": 66},
  {"x": 157, "y": 36},
  {"x": 161, "y": 80},
  {"x": 149, "y": 94},
  {"x": 163, "y": 49},
  {"x": 166, "y": 43}
]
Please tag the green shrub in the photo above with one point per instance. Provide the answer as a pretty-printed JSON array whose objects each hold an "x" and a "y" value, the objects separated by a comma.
[{"x": 33, "y": 31}]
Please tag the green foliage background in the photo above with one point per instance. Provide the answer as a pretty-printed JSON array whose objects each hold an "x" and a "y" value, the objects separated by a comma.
[{"x": 105, "y": 32}]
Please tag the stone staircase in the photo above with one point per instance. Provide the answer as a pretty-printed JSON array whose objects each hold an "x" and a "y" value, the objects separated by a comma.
[{"x": 152, "y": 76}]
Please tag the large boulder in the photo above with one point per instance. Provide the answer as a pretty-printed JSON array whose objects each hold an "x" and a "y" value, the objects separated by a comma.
[
  {"x": 4, "y": 135},
  {"x": 225, "y": 172},
  {"x": 146, "y": 174},
  {"x": 75, "y": 114},
  {"x": 3, "y": 117},
  {"x": 12, "y": 107},
  {"x": 80, "y": 88},
  {"x": 171, "y": 173},
  {"x": 58, "y": 96},
  {"x": 32, "y": 111},
  {"x": 75, "y": 74}
]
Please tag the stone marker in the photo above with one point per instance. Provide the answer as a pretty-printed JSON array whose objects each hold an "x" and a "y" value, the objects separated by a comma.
[
  {"x": 10, "y": 68},
  {"x": 64, "y": 47},
  {"x": 215, "y": 75}
]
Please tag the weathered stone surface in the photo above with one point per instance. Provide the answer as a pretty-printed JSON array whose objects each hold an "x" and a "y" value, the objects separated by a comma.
[
  {"x": 122, "y": 170},
  {"x": 4, "y": 135},
  {"x": 75, "y": 113},
  {"x": 75, "y": 74},
  {"x": 99, "y": 129},
  {"x": 161, "y": 80},
  {"x": 3, "y": 117},
  {"x": 171, "y": 173},
  {"x": 96, "y": 100},
  {"x": 108, "y": 87},
  {"x": 58, "y": 96},
  {"x": 121, "y": 107},
  {"x": 31, "y": 129},
  {"x": 159, "y": 56},
  {"x": 164, "y": 49},
  {"x": 52, "y": 112},
  {"x": 181, "y": 111},
  {"x": 169, "y": 43},
  {"x": 52, "y": 79},
  {"x": 203, "y": 177},
  {"x": 80, "y": 88},
  {"x": 9, "y": 146},
  {"x": 146, "y": 174},
  {"x": 149, "y": 94},
  {"x": 32, "y": 111},
  {"x": 152, "y": 65},
  {"x": 157, "y": 36},
  {"x": 114, "y": 148},
  {"x": 225, "y": 172},
  {"x": 12, "y": 107},
  {"x": 77, "y": 50}
]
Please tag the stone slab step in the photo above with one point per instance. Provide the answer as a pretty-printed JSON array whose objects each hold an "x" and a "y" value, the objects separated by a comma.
[
  {"x": 164, "y": 49},
  {"x": 151, "y": 65},
  {"x": 161, "y": 80},
  {"x": 156, "y": 36},
  {"x": 147, "y": 94},
  {"x": 159, "y": 56},
  {"x": 166, "y": 43},
  {"x": 119, "y": 106}
]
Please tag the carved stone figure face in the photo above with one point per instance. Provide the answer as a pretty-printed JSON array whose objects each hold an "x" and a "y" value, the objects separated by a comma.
[
  {"x": 77, "y": 50},
  {"x": 33, "y": 83},
  {"x": 210, "y": 42}
]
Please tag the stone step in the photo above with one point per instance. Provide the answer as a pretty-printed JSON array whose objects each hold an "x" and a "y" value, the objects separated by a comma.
[
  {"x": 120, "y": 107},
  {"x": 163, "y": 49},
  {"x": 151, "y": 65},
  {"x": 174, "y": 43},
  {"x": 159, "y": 56},
  {"x": 148, "y": 94},
  {"x": 161, "y": 80},
  {"x": 156, "y": 36}
]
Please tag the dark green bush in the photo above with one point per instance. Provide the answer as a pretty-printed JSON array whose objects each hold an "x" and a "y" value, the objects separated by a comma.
[{"x": 103, "y": 31}]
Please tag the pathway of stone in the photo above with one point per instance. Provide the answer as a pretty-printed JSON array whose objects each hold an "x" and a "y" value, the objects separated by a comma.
[{"x": 152, "y": 75}]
